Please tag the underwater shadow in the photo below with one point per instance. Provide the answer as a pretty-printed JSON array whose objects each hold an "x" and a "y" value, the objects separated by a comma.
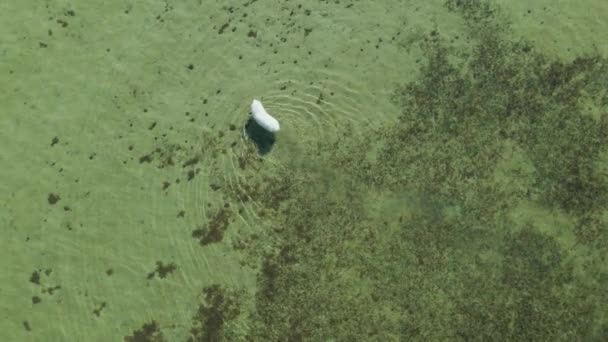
[{"x": 263, "y": 139}]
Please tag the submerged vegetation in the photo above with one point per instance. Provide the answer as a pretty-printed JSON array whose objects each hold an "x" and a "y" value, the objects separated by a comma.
[
  {"x": 482, "y": 132},
  {"x": 421, "y": 231}
]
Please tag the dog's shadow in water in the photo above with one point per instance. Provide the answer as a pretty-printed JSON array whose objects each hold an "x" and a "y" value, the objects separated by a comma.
[{"x": 263, "y": 139}]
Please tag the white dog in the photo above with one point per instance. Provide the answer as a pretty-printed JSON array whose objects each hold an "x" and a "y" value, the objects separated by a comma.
[{"x": 261, "y": 116}]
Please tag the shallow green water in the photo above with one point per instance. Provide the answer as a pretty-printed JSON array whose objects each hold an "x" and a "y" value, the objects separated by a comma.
[{"x": 435, "y": 178}]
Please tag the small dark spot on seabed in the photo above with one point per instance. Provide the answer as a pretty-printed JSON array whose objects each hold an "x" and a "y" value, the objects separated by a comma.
[
  {"x": 53, "y": 198},
  {"x": 190, "y": 175},
  {"x": 145, "y": 159},
  {"x": 152, "y": 125},
  {"x": 191, "y": 162},
  {"x": 42, "y": 45},
  {"x": 181, "y": 213},
  {"x": 162, "y": 270},
  {"x": 190, "y": 66},
  {"x": 51, "y": 289},
  {"x": 27, "y": 326},
  {"x": 54, "y": 141},
  {"x": 109, "y": 272},
  {"x": 320, "y": 98},
  {"x": 166, "y": 185},
  {"x": 252, "y": 34},
  {"x": 97, "y": 311},
  {"x": 36, "y": 300},
  {"x": 223, "y": 28}
]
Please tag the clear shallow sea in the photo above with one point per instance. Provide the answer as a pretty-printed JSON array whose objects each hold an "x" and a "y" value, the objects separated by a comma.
[{"x": 128, "y": 189}]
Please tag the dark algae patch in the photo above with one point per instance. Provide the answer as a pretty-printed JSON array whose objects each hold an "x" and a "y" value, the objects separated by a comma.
[
  {"x": 214, "y": 230},
  {"x": 40, "y": 278},
  {"x": 162, "y": 270},
  {"x": 35, "y": 278},
  {"x": 53, "y": 198},
  {"x": 97, "y": 311},
  {"x": 149, "y": 332},
  {"x": 145, "y": 158},
  {"x": 50, "y": 290},
  {"x": 426, "y": 238},
  {"x": 191, "y": 162},
  {"x": 221, "y": 306},
  {"x": 188, "y": 156}
]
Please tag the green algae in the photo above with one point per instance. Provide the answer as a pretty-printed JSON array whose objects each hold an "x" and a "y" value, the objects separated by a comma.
[
  {"x": 446, "y": 260},
  {"x": 478, "y": 213}
]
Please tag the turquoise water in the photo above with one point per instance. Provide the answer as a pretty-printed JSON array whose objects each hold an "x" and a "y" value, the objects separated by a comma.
[{"x": 440, "y": 172}]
